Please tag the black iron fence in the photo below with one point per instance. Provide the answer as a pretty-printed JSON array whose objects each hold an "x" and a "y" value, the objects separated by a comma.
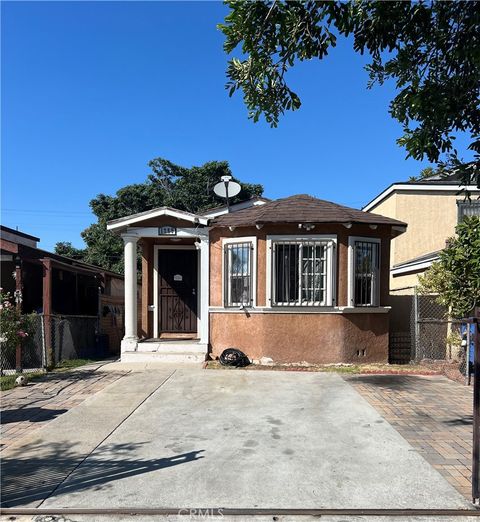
[{"x": 55, "y": 338}]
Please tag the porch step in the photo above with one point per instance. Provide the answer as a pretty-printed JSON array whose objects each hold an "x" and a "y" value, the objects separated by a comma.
[
  {"x": 172, "y": 347},
  {"x": 165, "y": 356}
]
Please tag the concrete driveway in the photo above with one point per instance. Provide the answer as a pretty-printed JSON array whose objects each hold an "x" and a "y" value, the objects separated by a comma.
[{"x": 213, "y": 438}]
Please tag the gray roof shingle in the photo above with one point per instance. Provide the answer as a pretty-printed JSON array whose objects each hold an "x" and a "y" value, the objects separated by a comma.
[{"x": 301, "y": 208}]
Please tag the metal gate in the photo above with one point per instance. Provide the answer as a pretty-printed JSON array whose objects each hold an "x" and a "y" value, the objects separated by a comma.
[{"x": 420, "y": 329}]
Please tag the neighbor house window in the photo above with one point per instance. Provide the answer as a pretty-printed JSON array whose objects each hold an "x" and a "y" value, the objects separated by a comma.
[
  {"x": 468, "y": 208},
  {"x": 301, "y": 272},
  {"x": 364, "y": 271},
  {"x": 238, "y": 263}
]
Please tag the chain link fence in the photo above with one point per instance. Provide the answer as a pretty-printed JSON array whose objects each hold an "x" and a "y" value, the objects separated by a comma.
[
  {"x": 55, "y": 338},
  {"x": 32, "y": 350},
  {"x": 421, "y": 330},
  {"x": 71, "y": 337}
]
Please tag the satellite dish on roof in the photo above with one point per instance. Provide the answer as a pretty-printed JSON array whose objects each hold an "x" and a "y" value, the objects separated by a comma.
[{"x": 227, "y": 189}]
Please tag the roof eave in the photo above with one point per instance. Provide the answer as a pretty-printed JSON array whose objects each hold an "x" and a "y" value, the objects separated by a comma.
[
  {"x": 416, "y": 187},
  {"x": 116, "y": 225},
  {"x": 398, "y": 225}
]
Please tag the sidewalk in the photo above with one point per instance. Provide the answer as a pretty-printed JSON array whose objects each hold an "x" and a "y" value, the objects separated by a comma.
[{"x": 27, "y": 408}]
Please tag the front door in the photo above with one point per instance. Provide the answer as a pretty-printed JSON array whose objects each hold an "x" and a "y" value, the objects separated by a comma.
[{"x": 177, "y": 288}]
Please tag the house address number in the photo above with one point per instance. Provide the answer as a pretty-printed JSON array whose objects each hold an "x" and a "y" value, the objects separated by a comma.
[{"x": 167, "y": 231}]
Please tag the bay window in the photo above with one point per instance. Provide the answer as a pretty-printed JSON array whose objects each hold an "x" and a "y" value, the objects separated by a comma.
[{"x": 301, "y": 272}]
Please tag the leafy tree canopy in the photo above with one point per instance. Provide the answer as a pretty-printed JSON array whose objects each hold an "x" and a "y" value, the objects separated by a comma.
[
  {"x": 65, "y": 248},
  {"x": 456, "y": 276},
  {"x": 170, "y": 185},
  {"x": 425, "y": 173},
  {"x": 430, "y": 49}
]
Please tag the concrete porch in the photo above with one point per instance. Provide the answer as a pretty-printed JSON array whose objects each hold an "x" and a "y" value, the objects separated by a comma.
[{"x": 168, "y": 350}]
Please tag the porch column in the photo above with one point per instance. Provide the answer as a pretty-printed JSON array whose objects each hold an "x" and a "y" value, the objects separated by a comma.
[
  {"x": 204, "y": 288},
  {"x": 129, "y": 342}
]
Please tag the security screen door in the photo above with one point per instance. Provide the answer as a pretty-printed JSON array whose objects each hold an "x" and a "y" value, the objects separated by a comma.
[{"x": 177, "y": 288}]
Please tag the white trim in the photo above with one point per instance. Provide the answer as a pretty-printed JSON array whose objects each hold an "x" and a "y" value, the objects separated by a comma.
[
  {"x": 351, "y": 244},
  {"x": 253, "y": 268},
  {"x": 156, "y": 308},
  {"x": 157, "y": 212},
  {"x": 417, "y": 188},
  {"x": 304, "y": 310},
  {"x": 414, "y": 267},
  {"x": 204, "y": 291},
  {"x": 153, "y": 232},
  {"x": 130, "y": 339},
  {"x": 331, "y": 289}
]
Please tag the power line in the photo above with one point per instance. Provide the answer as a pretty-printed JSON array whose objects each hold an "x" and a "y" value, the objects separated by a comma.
[{"x": 46, "y": 211}]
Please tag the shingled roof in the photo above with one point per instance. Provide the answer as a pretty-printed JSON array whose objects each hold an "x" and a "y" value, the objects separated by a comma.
[{"x": 301, "y": 208}]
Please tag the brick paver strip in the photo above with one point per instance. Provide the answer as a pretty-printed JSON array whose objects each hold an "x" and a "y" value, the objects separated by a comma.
[
  {"x": 434, "y": 414},
  {"x": 28, "y": 408}
]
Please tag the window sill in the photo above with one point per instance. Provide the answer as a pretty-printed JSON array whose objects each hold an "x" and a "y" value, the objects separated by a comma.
[{"x": 302, "y": 310}]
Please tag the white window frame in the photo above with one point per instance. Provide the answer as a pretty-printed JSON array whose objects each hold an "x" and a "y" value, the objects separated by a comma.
[
  {"x": 351, "y": 269},
  {"x": 331, "y": 262},
  {"x": 253, "y": 268}
]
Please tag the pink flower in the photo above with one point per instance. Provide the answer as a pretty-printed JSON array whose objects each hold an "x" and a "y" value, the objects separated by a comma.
[{"x": 21, "y": 333}]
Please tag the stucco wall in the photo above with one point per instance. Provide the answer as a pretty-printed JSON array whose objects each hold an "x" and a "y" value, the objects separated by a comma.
[
  {"x": 431, "y": 218},
  {"x": 112, "y": 316},
  {"x": 342, "y": 234},
  {"x": 407, "y": 281},
  {"x": 296, "y": 337},
  {"x": 316, "y": 337}
]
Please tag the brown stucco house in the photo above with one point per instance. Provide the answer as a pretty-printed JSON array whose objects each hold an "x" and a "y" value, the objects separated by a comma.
[{"x": 295, "y": 279}]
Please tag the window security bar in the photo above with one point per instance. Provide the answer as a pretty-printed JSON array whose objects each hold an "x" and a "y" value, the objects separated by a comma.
[
  {"x": 300, "y": 273},
  {"x": 238, "y": 274},
  {"x": 366, "y": 273}
]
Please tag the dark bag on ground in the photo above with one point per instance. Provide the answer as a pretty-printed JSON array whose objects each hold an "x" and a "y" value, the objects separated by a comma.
[{"x": 234, "y": 357}]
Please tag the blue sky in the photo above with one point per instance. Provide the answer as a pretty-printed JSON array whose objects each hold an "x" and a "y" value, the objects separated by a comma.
[{"x": 91, "y": 91}]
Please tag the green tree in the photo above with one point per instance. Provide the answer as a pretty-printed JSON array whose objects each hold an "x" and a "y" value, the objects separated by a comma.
[
  {"x": 191, "y": 189},
  {"x": 456, "y": 276},
  {"x": 172, "y": 185},
  {"x": 425, "y": 173},
  {"x": 65, "y": 248},
  {"x": 429, "y": 49}
]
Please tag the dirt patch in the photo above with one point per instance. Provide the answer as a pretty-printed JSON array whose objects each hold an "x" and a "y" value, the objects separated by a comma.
[
  {"x": 389, "y": 369},
  {"x": 449, "y": 369}
]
